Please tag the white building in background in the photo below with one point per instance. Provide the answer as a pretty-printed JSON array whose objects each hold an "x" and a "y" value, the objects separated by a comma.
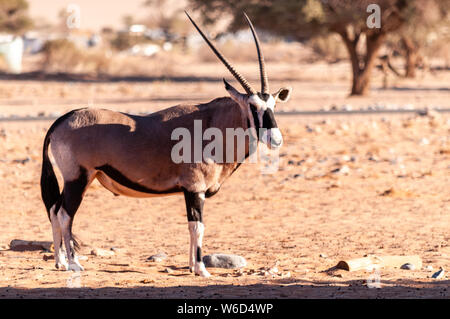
[{"x": 11, "y": 49}]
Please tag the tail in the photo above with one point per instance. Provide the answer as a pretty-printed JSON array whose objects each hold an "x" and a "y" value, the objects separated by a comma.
[{"x": 49, "y": 184}]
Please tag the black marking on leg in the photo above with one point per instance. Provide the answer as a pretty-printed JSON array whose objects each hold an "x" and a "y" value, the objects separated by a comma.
[
  {"x": 72, "y": 196},
  {"x": 194, "y": 206},
  {"x": 199, "y": 254},
  {"x": 121, "y": 179}
]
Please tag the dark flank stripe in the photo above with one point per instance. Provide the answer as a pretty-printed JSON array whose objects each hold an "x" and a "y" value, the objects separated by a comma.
[{"x": 121, "y": 179}]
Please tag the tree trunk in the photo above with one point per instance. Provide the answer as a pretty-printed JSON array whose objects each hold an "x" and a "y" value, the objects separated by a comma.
[
  {"x": 362, "y": 65},
  {"x": 411, "y": 57}
]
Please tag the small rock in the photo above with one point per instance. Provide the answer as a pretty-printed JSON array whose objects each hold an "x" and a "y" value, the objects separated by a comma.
[
  {"x": 82, "y": 258},
  {"x": 147, "y": 281},
  {"x": 168, "y": 270},
  {"x": 424, "y": 141},
  {"x": 347, "y": 107},
  {"x": 309, "y": 129},
  {"x": 224, "y": 261},
  {"x": 429, "y": 268},
  {"x": 24, "y": 245},
  {"x": 341, "y": 170},
  {"x": 408, "y": 266},
  {"x": 439, "y": 274},
  {"x": 323, "y": 255},
  {"x": 273, "y": 270},
  {"x": 102, "y": 252},
  {"x": 239, "y": 272},
  {"x": 22, "y": 161},
  {"x": 373, "y": 158},
  {"x": 157, "y": 258},
  {"x": 46, "y": 257}
]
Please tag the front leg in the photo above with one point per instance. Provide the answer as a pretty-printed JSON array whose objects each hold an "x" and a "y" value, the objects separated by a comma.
[{"x": 194, "y": 208}]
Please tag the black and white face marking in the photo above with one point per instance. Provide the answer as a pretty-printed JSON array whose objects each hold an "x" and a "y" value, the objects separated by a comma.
[{"x": 262, "y": 108}]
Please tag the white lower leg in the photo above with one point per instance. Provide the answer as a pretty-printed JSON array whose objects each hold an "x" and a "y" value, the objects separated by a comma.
[
  {"x": 198, "y": 230},
  {"x": 191, "y": 247},
  {"x": 60, "y": 258},
  {"x": 64, "y": 221}
]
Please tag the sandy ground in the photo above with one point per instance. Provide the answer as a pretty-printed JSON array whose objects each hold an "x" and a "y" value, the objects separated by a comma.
[{"x": 391, "y": 197}]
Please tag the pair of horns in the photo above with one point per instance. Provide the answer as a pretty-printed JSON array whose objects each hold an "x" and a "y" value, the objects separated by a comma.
[{"x": 262, "y": 66}]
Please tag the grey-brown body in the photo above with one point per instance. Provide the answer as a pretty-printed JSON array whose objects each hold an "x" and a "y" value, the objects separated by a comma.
[{"x": 139, "y": 147}]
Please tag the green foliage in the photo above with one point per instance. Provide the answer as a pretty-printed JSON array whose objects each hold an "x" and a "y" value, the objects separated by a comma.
[
  {"x": 301, "y": 19},
  {"x": 14, "y": 16}
]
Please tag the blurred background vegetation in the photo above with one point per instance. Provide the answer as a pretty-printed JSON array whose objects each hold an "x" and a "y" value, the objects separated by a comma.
[{"x": 413, "y": 34}]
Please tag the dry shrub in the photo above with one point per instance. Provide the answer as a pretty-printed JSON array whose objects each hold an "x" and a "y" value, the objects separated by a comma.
[
  {"x": 62, "y": 55},
  {"x": 124, "y": 41},
  {"x": 232, "y": 50},
  {"x": 276, "y": 51},
  {"x": 329, "y": 48}
]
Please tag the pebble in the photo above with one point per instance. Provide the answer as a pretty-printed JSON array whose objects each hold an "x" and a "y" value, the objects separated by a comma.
[
  {"x": 22, "y": 161},
  {"x": 46, "y": 257},
  {"x": 342, "y": 170},
  {"x": 102, "y": 252},
  {"x": 439, "y": 274},
  {"x": 323, "y": 255},
  {"x": 429, "y": 268},
  {"x": 408, "y": 266},
  {"x": 168, "y": 270},
  {"x": 157, "y": 258},
  {"x": 224, "y": 261}
]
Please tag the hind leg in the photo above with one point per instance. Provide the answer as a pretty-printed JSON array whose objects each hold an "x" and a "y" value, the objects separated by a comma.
[
  {"x": 71, "y": 199},
  {"x": 60, "y": 257}
]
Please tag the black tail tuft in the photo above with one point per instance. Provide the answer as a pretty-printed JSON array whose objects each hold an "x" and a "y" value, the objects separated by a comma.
[
  {"x": 49, "y": 184},
  {"x": 76, "y": 243}
]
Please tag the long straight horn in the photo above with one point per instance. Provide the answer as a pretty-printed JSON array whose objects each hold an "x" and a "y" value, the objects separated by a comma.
[
  {"x": 262, "y": 64},
  {"x": 233, "y": 71}
]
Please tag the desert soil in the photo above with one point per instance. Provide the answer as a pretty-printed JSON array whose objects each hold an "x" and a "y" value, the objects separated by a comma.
[{"x": 346, "y": 187}]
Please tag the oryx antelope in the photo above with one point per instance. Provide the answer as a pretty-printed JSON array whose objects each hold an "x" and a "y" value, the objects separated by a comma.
[{"x": 131, "y": 155}]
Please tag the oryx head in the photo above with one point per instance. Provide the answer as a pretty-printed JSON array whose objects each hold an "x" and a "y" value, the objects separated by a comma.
[{"x": 260, "y": 105}]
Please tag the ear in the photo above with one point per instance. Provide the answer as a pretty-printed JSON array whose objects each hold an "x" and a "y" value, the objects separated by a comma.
[
  {"x": 283, "y": 94},
  {"x": 234, "y": 94}
]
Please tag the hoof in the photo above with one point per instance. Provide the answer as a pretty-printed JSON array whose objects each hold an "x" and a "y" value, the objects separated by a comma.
[
  {"x": 75, "y": 267},
  {"x": 201, "y": 271},
  {"x": 61, "y": 266},
  {"x": 60, "y": 260}
]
